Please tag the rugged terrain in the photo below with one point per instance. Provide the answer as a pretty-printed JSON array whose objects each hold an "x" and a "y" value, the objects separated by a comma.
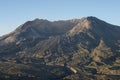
[{"x": 84, "y": 49}]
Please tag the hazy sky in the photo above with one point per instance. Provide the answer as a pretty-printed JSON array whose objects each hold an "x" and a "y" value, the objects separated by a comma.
[{"x": 15, "y": 12}]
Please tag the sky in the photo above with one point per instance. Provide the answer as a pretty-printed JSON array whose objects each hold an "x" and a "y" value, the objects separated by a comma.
[{"x": 16, "y": 12}]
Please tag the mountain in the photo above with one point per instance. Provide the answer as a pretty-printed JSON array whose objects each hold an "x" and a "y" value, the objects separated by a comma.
[{"x": 86, "y": 48}]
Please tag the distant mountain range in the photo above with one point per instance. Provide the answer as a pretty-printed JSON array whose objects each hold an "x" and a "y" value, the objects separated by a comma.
[{"x": 83, "y": 49}]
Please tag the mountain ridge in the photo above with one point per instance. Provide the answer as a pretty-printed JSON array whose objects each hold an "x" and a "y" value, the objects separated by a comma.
[{"x": 76, "y": 47}]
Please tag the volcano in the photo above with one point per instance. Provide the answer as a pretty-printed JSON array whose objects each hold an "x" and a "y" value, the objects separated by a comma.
[{"x": 86, "y": 48}]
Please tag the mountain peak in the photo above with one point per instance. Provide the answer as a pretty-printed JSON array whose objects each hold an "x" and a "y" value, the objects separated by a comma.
[
  {"x": 38, "y": 20},
  {"x": 89, "y": 18},
  {"x": 94, "y": 24},
  {"x": 84, "y": 24}
]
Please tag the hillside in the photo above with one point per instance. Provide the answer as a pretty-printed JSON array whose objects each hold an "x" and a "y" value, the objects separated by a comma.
[{"x": 85, "y": 49}]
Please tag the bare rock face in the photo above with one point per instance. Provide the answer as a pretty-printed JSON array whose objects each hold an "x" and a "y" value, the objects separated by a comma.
[{"x": 88, "y": 46}]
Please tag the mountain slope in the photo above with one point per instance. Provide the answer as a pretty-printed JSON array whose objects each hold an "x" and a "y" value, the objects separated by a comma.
[{"x": 84, "y": 46}]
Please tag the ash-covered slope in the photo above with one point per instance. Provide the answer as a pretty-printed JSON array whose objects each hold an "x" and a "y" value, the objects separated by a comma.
[
  {"x": 93, "y": 30},
  {"x": 32, "y": 32},
  {"x": 39, "y": 28},
  {"x": 89, "y": 45}
]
